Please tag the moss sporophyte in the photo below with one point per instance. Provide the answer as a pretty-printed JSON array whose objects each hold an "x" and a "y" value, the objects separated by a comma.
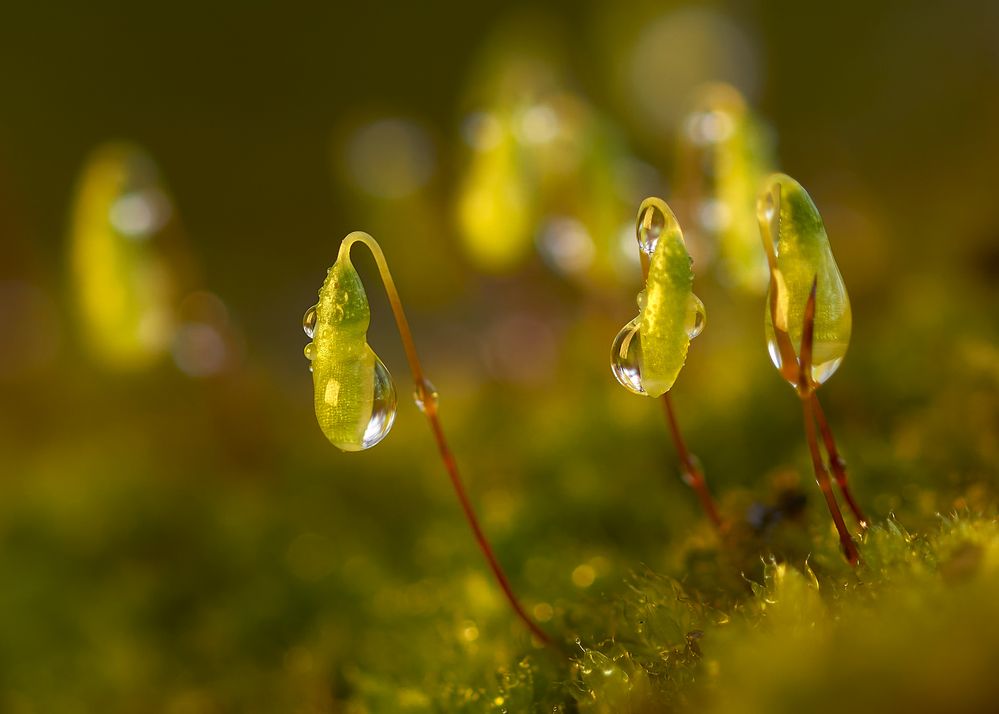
[
  {"x": 355, "y": 397},
  {"x": 649, "y": 352},
  {"x": 808, "y": 322}
]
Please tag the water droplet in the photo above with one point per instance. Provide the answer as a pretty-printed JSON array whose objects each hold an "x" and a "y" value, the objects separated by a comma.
[
  {"x": 641, "y": 300},
  {"x": 353, "y": 427},
  {"x": 310, "y": 351},
  {"x": 769, "y": 206},
  {"x": 425, "y": 395},
  {"x": 651, "y": 223},
  {"x": 626, "y": 354},
  {"x": 696, "y": 316},
  {"x": 309, "y": 322},
  {"x": 827, "y": 354}
]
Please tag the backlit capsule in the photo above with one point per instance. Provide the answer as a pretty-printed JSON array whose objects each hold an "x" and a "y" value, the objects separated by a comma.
[
  {"x": 798, "y": 248},
  {"x": 354, "y": 395},
  {"x": 648, "y": 353}
]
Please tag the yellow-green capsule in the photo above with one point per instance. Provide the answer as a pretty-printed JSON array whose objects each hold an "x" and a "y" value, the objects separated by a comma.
[
  {"x": 649, "y": 351},
  {"x": 798, "y": 249},
  {"x": 354, "y": 394},
  {"x": 125, "y": 258},
  {"x": 496, "y": 210}
]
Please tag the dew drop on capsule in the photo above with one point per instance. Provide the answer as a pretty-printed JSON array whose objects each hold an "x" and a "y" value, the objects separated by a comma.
[
  {"x": 696, "y": 316},
  {"x": 425, "y": 395},
  {"x": 383, "y": 409},
  {"x": 626, "y": 355},
  {"x": 651, "y": 222},
  {"x": 309, "y": 322},
  {"x": 310, "y": 351}
]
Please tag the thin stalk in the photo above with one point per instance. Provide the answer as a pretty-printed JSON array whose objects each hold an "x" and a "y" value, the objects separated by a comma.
[
  {"x": 692, "y": 475},
  {"x": 822, "y": 478},
  {"x": 806, "y": 392},
  {"x": 429, "y": 401},
  {"x": 836, "y": 462}
]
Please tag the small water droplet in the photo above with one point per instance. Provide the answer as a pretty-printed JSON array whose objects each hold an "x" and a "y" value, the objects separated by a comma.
[
  {"x": 626, "y": 352},
  {"x": 650, "y": 227},
  {"x": 310, "y": 351},
  {"x": 769, "y": 206},
  {"x": 309, "y": 322},
  {"x": 641, "y": 300},
  {"x": 425, "y": 395},
  {"x": 696, "y": 316}
]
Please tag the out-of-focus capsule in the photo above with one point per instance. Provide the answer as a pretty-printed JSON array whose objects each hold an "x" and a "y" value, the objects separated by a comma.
[
  {"x": 496, "y": 210},
  {"x": 125, "y": 258}
]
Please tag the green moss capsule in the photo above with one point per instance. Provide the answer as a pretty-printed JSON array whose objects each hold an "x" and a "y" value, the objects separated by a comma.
[
  {"x": 799, "y": 253},
  {"x": 649, "y": 351},
  {"x": 354, "y": 395}
]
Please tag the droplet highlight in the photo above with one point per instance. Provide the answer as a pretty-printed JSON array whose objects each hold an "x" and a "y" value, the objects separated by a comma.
[
  {"x": 309, "y": 321},
  {"x": 651, "y": 223},
  {"x": 425, "y": 395},
  {"x": 696, "y": 316}
]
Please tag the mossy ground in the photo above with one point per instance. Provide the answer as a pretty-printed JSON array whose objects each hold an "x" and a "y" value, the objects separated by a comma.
[{"x": 197, "y": 547}]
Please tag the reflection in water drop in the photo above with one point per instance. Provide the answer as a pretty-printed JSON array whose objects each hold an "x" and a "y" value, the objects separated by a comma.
[
  {"x": 355, "y": 400},
  {"x": 827, "y": 354},
  {"x": 383, "y": 407},
  {"x": 309, "y": 322},
  {"x": 310, "y": 351},
  {"x": 695, "y": 317},
  {"x": 626, "y": 352},
  {"x": 425, "y": 395},
  {"x": 651, "y": 223}
]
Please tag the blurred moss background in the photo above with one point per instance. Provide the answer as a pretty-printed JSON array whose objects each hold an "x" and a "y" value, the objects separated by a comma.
[{"x": 186, "y": 541}]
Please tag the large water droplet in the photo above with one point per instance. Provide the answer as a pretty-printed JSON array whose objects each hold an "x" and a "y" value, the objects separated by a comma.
[
  {"x": 626, "y": 352},
  {"x": 383, "y": 407},
  {"x": 352, "y": 425},
  {"x": 425, "y": 395},
  {"x": 651, "y": 223},
  {"x": 696, "y": 316},
  {"x": 828, "y": 352},
  {"x": 309, "y": 322}
]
